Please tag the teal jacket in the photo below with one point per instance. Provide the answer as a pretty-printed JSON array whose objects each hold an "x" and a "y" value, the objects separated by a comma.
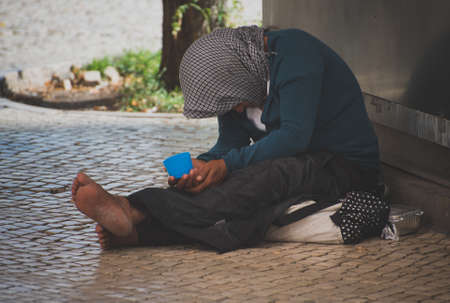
[{"x": 314, "y": 104}]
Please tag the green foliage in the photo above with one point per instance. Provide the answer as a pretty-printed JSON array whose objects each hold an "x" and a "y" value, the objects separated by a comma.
[
  {"x": 178, "y": 16},
  {"x": 219, "y": 17},
  {"x": 232, "y": 12},
  {"x": 141, "y": 64},
  {"x": 99, "y": 65},
  {"x": 142, "y": 89}
]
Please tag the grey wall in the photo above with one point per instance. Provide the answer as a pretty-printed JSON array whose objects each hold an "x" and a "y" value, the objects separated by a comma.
[{"x": 399, "y": 49}]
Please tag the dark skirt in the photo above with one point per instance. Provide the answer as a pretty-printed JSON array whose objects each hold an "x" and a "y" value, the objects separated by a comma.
[{"x": 238, "y": 212}]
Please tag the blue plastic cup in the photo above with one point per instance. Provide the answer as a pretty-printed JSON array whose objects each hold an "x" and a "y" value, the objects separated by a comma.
[{"x": 178, "y": 165}]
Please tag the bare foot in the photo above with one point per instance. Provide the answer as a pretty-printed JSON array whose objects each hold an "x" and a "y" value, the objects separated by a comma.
[
  {"x": 112, "y": 212},
  {"x": 107, "y": 240}
]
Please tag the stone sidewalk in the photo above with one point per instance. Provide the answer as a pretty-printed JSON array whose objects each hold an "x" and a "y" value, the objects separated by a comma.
[{"x": 49, "y": 252}]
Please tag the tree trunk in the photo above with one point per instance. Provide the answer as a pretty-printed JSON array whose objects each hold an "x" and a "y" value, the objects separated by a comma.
[{"x": 193, "y": 26}]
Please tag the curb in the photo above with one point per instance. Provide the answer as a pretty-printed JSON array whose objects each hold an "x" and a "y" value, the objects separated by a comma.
[
  {"x": 15, "y": 93},
  {"x": 6, "y": 103},
  {"x": 34, "y": 107}
]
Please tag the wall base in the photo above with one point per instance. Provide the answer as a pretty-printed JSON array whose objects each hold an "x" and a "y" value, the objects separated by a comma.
[{"x": 432, "y": 198}]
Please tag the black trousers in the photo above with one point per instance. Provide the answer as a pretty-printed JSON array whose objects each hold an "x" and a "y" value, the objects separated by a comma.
[{"x": 238, "y": 212}]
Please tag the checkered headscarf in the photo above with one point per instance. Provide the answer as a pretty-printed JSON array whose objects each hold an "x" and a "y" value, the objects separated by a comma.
[{"x": 222, "y": 69}]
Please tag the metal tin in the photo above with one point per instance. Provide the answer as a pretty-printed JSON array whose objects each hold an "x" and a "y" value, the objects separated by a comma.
[{"x": 406, "y": 219}]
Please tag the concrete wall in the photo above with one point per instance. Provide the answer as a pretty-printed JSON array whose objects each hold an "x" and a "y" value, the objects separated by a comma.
[{"x": 399, "y": 49}]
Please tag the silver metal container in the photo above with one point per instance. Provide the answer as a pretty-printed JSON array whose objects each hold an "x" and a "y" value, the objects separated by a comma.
[{"x": 405, "y": 219}]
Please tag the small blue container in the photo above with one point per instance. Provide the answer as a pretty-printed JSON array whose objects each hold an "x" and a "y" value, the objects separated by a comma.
[{"x": 178, "y": 165}]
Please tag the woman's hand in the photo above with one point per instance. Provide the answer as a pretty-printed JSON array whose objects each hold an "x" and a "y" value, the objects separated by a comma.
[
  {"x": 210, "y": 174},
  {"x": 188, "y": 180}
]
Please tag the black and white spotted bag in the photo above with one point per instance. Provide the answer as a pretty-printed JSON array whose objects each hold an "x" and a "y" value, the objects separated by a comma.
[{"x": 363, "y": 214}]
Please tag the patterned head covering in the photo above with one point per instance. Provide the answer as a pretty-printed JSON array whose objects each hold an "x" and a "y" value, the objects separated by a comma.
[{"x": 222, "y": 69}]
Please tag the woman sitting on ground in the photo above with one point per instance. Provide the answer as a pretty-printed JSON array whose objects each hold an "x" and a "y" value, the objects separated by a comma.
[{"x": 292, "y": 127}]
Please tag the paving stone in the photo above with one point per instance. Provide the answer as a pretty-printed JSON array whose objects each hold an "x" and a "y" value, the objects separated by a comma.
[{"x": 49, "y": 250}]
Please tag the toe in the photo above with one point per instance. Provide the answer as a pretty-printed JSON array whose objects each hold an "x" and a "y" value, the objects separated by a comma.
[
  {"x": 99, "y": 228},
  {"x": 104, "y": 244},
  {"x": 101, "y": 233},
  {"x": 84, "y": 179},
  {"x": 103, "y": 236},
  {"x": 75, "y": 185}
]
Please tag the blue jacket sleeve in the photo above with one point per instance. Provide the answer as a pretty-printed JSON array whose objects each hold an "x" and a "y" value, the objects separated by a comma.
[
  {"x": 231, "y": 136},
  {"x": 297, "y": 89}
]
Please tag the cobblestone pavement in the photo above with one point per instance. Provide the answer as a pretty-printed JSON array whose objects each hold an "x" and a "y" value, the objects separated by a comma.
[
  {"x": 49, "y": 252},
  {"x": 43, "y": 32}
]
